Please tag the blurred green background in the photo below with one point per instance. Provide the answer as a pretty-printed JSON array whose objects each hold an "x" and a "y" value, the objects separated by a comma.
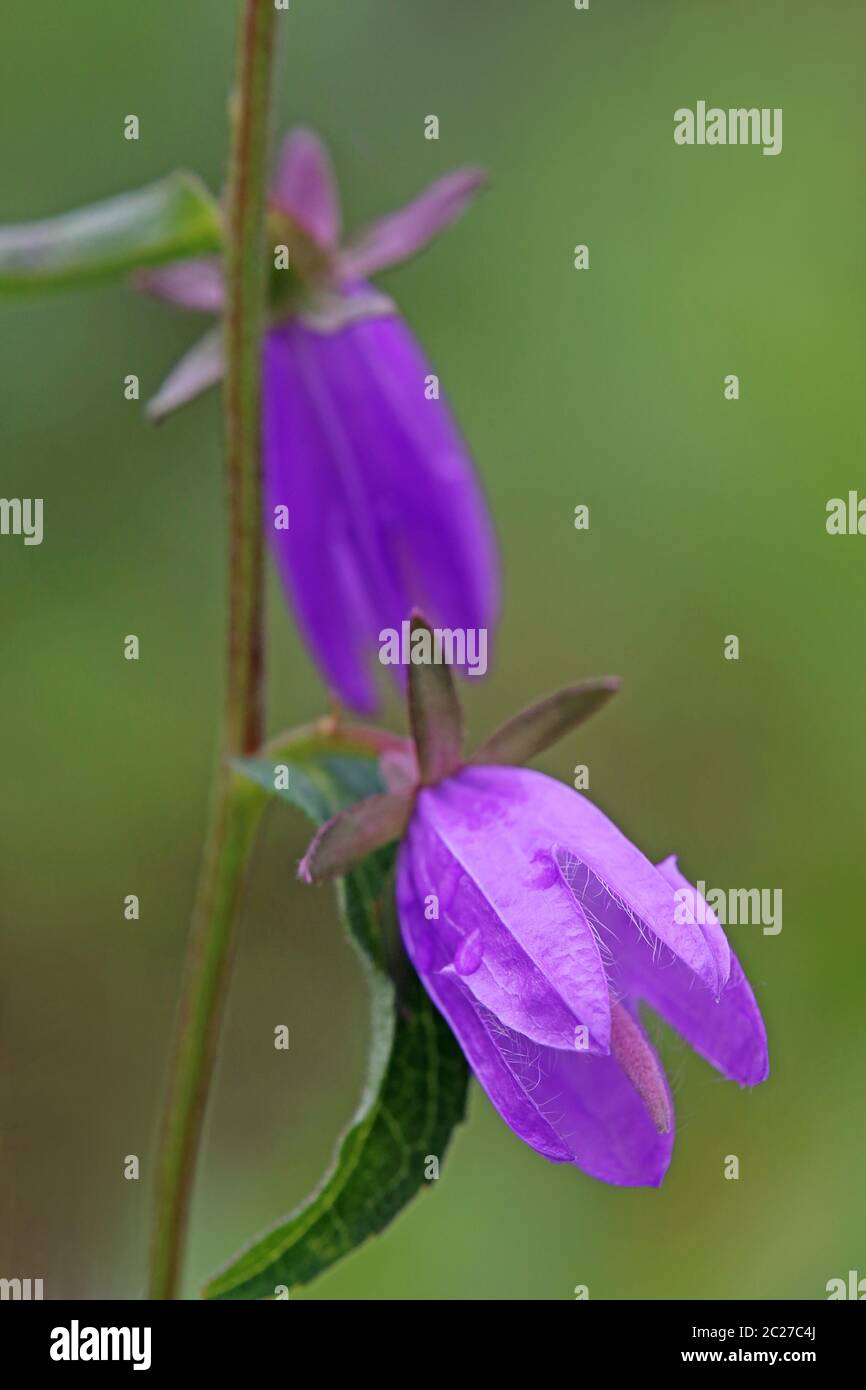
[{"x": 707, "y": 518}]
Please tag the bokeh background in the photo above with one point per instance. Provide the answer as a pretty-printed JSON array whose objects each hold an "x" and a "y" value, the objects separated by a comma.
[{"x": 707, "y": 518}]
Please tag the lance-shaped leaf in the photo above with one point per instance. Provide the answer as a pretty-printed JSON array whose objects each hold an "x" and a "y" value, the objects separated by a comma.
[
  {"x": 434, "y": 708},
  {"x": 415, "y": 1092},
  {"x": 541, "y": 725},
  {"x": 165, "y": 221}
]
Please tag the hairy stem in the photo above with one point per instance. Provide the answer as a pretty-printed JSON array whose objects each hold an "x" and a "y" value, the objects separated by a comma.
[{"x": 236, "y": 805}]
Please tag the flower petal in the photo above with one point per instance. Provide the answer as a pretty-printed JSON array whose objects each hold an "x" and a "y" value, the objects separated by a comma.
[
  {"x": 429, "y": 511},
  {"x": 571, "y": 1107},
  {"x": 199, "y": 369},
  {"x": 403, "y": 233},
  {"x": 703, "y": 914},
  {"x": 463, "y": 934},
  {"x": 304, "y": 186},
  {"x": 521, "y": 886},
  {"x": 729, "y": 1032},
  {"x": 319, "y": 557},
  {"x": 540, "y": 813},
  {"x": 386, "y": 514},
  {"x": 194, "y": 284}
]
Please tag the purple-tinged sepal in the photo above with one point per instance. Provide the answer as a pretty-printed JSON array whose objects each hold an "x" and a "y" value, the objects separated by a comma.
[
  {"x": 201, "y": 368},
  {"x": 351, "y": 835},
  {"x": 404, "y": 233},
  {"x": 434, "y": 709},
  {"x": 305, "y": 188},
  {"x": 544, "y": 723}
]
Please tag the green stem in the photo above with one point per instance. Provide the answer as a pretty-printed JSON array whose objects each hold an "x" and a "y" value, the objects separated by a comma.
[{"x": 236, "y": 803}]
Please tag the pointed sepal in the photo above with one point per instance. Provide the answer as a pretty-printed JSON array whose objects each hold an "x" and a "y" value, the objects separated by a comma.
[
  {"x": 434, "y": 709},
  {"x": 198, "y": 370},
  {"x": 402, "y": 234},
  {"x": 543, "y": 724},
  {"x": 354, "y": 833}
]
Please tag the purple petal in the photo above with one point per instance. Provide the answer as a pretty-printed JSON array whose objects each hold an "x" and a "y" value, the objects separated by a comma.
[
  {"x": 328, "y": 559},
  {"x": 304, "y": 186},
  {"x": 705, "y": 917},
  {"x": 571, "y": 1107},
  {"x": 194, "y": 284},
  {"x": 403, "y": 233},
  {"x": 729, "y": 1032},
  {"x": 199, "y": 369},
  {"x": 542, "y": 973},
  {"x": 539, "y": 814},
  {"x": 386, "y": 515}
]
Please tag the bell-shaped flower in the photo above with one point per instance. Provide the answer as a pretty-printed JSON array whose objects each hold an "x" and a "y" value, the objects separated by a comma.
[
  {"x": 538, "y": 929},
  {"x": 372, "y": 504}
]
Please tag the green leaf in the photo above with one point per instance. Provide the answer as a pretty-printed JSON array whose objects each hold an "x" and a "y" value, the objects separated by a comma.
[
  {"x": 415, "y": 1091},
  {"x": 166, "y": 221}
]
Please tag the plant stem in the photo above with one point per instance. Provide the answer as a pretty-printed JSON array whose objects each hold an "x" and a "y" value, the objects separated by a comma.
[{"x": 236, "y": 804}]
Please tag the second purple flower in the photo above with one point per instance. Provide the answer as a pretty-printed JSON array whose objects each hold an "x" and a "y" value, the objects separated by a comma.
[{"x": 384, "y": 512}]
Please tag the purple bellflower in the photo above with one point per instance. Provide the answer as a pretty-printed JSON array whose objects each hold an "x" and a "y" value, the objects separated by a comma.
[
  {"x": 384, "y": 509},
  {"x": 538, "y": 928}
]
